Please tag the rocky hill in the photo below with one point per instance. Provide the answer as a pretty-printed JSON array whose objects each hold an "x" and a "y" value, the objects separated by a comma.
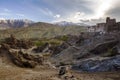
[
  {"x": 44, "y": 51},
  {"x": 90, "y": 52},
  {"x": 61, "y": 58},
  {"x": 41, "y": 30}
]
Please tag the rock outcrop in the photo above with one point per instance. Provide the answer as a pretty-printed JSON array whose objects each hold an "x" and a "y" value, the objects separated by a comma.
[
  {"x": 49, "y": 48},
  {"x": 17, "y": 44},
  {"x": 103, "y": 47},
  {"x": 25, "y": 60},
  {"x": 42, "y": 48},
  {"x": 13, "y": 48},
  {"x": 83, "y": 57}
]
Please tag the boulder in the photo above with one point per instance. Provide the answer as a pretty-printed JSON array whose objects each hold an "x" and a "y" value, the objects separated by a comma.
[{"x": 62, "y": 71}]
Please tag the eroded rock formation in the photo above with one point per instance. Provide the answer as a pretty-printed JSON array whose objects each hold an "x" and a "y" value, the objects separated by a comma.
[
  {"x": 16, "y": 43},
  {"x": 13, "y": 49}
]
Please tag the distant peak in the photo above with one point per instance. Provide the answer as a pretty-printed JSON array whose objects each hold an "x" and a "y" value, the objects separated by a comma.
[
  {"x": 15, "y": 23},
  {"x": 66, "y": 23}
]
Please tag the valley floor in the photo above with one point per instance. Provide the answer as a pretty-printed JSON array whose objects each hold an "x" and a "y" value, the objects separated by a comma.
[
  {"x": 9, "y": 71},
  {"x": 15, "y": 73}
]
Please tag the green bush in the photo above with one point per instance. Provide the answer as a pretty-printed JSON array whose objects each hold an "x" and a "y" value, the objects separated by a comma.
[
  {"x": 55, "y": 43},
  {"x": 39, "y": 43},
  {"x": 64, "y": 38},
  {"x": 52, "y": 42}
]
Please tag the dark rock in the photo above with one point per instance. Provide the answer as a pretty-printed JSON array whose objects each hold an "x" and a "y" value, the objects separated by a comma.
[
  {"x": 41, "y": 48},
  {"x": 56, "y": 50},
  {"x": 51, "y": 48},
  {"x": 29, "y": 64},
  {"x": 5, "y": 46},
  {"x": 81, "y": 39},
  {"x": 111, "y": 64},
  {"x": 62, "y": 71},
  {"x": 103, "y": 47},
  {"x": 111, "y": 52}
]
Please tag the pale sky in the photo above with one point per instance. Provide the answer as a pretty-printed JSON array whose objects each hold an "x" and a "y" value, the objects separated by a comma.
[{"x": 60, "y": 10}]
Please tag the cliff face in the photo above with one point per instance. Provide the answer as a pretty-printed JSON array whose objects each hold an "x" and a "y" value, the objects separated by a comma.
[{"x": 4, "y": 24}]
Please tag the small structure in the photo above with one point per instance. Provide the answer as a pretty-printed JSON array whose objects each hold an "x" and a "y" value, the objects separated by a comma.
[
  {"x": 111, "y": 25},
  {"x": 100, "y": 27},
  {"x": 91, "y": 28}
]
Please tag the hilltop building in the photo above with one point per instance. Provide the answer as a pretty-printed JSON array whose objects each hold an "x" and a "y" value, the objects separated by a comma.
[{"x": 110, "y": 26}]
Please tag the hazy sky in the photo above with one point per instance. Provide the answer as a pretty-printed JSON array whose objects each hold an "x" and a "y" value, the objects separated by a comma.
[{"x": 59, "y": 10}]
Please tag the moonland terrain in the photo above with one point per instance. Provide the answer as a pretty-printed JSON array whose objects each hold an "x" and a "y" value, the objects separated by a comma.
[{"x": 48, "y": 52}]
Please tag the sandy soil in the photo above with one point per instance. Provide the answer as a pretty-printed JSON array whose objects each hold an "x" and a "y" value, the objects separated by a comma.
[
  {"x": 14, "y": 73},
  {"x": 43, "y": 73},
  {"x": 98, "y": 76}
]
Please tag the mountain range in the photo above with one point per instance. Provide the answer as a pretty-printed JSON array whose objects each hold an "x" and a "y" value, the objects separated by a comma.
[
  {"x": 10, "y": 23},
  {"x": 41, "y": 30},
  {"x": 29, "y": 29},
  {"x": 18, "y": 23},
  {"x": 65, "y": 23}
]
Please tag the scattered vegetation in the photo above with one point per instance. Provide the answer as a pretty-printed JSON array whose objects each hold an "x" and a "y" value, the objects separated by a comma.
[
  {"x": 41, "y": 30},
  {"x": 63, "y": 38},
  {"x": 39, "y": 43},
  {"x": 54, "y": 42}
]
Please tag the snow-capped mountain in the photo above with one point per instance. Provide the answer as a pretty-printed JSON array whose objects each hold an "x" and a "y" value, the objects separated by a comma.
[
  {"x": 65, "y": 23},
  {"x": 5, "y": 24}
]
